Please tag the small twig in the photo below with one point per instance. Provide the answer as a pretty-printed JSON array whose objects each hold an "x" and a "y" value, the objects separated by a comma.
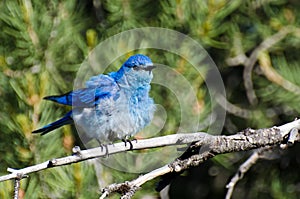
[
  {"x": 241, "y": 58},
  {"x": 243, "y": 169},
  {"x": 273, "y": 76},
  {"x": 104, "y": 194},
  {"x": 16, "y": 188},
  {"x": 137, "y": 182},
  {"x": 126, "y": 189},
  {"x": 233, "y": 109},
  {"x": 129, "y": 194},
  {"x": 17, "y": 182},
  {"x": 249, "y": 63},
  {"x": 293, "y": 136}
]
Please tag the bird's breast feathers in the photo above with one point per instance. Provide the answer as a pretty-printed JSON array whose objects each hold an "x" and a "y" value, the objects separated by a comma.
[{"x": 121, "y": 116}]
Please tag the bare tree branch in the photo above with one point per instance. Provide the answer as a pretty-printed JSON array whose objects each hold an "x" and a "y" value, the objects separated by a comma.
[
  {"x": 272, "y": 75},
  {"x": 81, "y": 155},
  {"x": 266, "y": 44},
  {"x": 233, "y": 109},
  {"x": 203, "y": 147},
  {"x": 258, "y": 154},
  {"x": 243, "y": 169},
  {"x": 16, "y": 188},
  {"x": 242, "y": 141},
  {"x": 249, "y": 63}
]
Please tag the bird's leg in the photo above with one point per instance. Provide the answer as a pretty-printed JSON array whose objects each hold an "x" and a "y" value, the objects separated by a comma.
[
  {"x": 106, "y": 150},
  {"x": 100, "y": 144},
  {"x": 102, "y": 147}
]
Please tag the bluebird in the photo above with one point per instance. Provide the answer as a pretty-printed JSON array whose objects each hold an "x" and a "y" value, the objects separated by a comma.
[{"x": 110, "y": 107}]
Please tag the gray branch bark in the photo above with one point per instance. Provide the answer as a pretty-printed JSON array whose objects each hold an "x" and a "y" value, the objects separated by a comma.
[
  {"x": 81, "y": 155},
  {"x": 212, "y": 146}
]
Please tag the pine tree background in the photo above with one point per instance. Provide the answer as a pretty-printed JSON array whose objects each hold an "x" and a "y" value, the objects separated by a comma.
[{"x": 43, "y": 44}]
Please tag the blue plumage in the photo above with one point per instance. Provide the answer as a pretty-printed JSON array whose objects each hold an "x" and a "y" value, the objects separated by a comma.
[{"x": 113, "y": 106}]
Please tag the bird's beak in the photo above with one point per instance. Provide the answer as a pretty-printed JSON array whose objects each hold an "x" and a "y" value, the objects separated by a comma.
[
  {"x": 146, "y": 68},
  {"x": 150, "y": 68}
]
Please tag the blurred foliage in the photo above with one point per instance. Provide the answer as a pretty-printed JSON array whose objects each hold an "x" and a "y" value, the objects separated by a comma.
[{"x": 43, "y": 44}]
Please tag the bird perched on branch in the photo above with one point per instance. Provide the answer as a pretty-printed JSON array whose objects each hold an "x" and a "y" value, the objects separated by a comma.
[{"x": 113, "y": 106}]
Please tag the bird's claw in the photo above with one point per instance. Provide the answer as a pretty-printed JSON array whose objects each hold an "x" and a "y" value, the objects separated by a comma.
[{"x": 125, "y": 140}]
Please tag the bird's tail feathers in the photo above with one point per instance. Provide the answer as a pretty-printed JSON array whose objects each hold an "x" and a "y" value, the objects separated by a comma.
[{"x": 67, "y": 119}]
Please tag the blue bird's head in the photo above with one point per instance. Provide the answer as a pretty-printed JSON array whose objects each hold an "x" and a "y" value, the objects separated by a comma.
[
  {"x": 137, "y": 71},
  {"x": 138, "y": 60}
]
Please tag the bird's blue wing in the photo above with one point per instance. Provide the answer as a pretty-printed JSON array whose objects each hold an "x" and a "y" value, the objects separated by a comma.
[
  {"x": 100, "y": 81},
  {"x": 97, "y": 88}
]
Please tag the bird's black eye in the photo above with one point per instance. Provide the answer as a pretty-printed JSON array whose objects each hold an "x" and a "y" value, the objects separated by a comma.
[{"x": 137, "y": 68}]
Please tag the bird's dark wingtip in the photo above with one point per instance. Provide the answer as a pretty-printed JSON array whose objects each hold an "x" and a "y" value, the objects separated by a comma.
[
  {"x": 37, "y": 131},
  {"x": 47, "y": 97},
  {"x": 42, "y": 131},
  {"x": 67, "y": 119}
]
